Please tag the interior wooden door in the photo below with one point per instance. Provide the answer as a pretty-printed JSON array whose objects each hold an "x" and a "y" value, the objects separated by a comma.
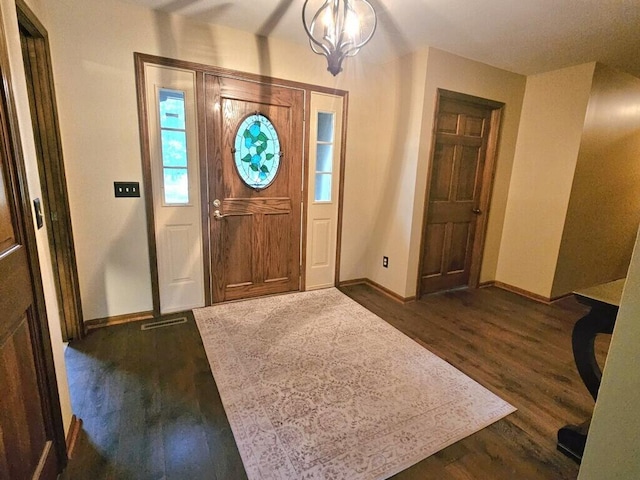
[
  {"x": 27, "y": 447},
  {"x": 454, "y": 210},
  {"x": 255, "y": 229}
]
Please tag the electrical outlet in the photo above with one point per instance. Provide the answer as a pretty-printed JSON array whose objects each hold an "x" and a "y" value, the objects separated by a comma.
[{"x": 385, "y": 262}]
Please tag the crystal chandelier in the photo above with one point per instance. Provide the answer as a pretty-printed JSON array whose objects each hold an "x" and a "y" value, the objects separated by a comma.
[{"x": 339, "y": 29}]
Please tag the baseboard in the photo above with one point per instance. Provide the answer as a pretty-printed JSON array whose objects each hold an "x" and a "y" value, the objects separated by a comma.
[
  {"x": 355, "y": 281},
  {"x": 72, "y": 435},
  {"x": 560, "y": 297},
  {"x": 385, "y": 291},
  {"x": 117, "y": 320},
  {"x": 522, "y": 292}
]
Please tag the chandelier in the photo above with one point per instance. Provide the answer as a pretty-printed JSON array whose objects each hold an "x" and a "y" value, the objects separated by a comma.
[{"x": 339, "y": 29}]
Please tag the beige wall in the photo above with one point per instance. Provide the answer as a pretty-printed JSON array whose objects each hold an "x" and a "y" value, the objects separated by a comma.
[
  {"x": 604, "y": 209},
  {"x": 451, "y": 72},
  {"x": 387, "y": 145},
  {"x": 10, "y": 26},
  {"x": 545, "y": 158},
  {"x": 613, "y": 444},
  {"x": 394, "y": 173},
  {"x": 92, "y": 52},
  {"x": 388, "y": 141}
]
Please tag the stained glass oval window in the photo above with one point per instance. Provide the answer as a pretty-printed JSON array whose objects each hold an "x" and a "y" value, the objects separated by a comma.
[{"x": 257, "y": 151}]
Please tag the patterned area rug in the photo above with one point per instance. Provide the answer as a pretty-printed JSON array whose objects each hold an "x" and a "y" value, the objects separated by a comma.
[{"x": 317, "y": 387}]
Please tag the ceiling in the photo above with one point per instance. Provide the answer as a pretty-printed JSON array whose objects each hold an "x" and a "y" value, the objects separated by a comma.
[{"x": 522, "y": 36}]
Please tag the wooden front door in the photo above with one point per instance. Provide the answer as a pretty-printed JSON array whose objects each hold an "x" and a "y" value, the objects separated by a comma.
[
  {"x": 458, "y": 192},
  {"x": 27, "y": 448},
  {"x": 254, "y": 229}
]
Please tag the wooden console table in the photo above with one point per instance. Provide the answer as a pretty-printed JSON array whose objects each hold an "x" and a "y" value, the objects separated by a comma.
[{"x": 604, "y": 301}]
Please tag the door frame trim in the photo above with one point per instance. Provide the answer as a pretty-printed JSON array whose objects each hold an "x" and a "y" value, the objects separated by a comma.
[
  {"x": 52, "y": 176},
  {"x": 41, "y": 337},
  {"x": 488, "y": 174},
  {"x": 140, "y": 59}
]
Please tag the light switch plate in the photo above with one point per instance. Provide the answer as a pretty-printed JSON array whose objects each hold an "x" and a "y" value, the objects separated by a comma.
[{"x": 126, "y": 189}]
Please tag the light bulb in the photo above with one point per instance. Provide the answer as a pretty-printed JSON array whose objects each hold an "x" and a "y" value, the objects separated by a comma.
[
  {"x": 351, "y": 24},
  {"x": 327, "y": 18}
]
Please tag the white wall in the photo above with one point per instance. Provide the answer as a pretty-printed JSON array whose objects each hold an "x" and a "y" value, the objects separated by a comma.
[
  {"x": 553, "y": 114},
  {"x": 92, "y": 48},
  {"x": 613, "y": 443},
  {"x": 10, "y": 26}
]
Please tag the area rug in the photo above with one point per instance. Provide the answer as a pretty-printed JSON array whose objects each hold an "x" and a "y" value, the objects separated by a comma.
[{"x": 315, "y": 386}]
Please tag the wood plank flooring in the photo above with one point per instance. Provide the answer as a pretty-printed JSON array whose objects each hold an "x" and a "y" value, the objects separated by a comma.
[{"x": 151, "y": 409}]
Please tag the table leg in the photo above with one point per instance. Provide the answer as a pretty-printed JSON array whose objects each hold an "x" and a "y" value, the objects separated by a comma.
[{"x": 572, "y": 438}]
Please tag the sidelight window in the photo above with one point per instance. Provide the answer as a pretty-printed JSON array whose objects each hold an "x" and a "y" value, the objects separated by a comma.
[
  {"x": 324, "y": 157},
  {"x": 173, "y": 136}
]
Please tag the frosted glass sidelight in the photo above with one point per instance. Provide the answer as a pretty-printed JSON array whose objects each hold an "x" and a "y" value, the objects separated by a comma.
[
  {"x": 323, "y": 187},
  {"x": 325, "y": 127},
  {"x": 324, "y": 158}
]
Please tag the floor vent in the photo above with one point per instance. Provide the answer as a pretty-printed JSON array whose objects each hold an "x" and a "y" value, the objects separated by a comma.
[{"x": 164, "y": 323}]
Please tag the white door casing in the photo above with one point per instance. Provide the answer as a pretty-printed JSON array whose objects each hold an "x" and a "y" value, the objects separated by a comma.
[
  {"x": 178, "y": 227},
  {"x": 322, "y": 215}
]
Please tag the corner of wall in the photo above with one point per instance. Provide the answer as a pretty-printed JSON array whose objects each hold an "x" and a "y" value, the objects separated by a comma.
[
  {"x": 394, "y": 213},
  {"x": 603, "y": 205},
  {"x": 548, "y": 140}
]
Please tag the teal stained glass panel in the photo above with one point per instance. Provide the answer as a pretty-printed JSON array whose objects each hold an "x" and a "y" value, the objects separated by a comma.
[
  {"x": 324, "y": 158},
  {"x": 172, "y": 111},
  {"x": 325, "y": 127},
  {"x": 174, "y": 148},
  {"x": 176, "y": 186},
  {"x": 257, "y": 155},
  {"x": 323, "y": 187}
]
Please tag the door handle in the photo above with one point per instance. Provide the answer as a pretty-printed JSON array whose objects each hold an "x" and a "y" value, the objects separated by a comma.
[
  {"x": 477, "y": 211},
  {"x": 217, "y": 215}
]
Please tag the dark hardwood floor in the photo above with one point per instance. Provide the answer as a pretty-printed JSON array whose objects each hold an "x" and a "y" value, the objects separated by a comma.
[{"x": 151, "y": 408}]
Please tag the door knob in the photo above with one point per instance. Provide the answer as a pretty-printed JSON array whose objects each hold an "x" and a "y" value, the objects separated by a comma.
[
  {"x": 477, "y": 211},
  {"x": 217, "y": 215}
]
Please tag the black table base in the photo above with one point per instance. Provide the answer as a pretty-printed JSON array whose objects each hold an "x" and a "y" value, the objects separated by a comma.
[{"x": 601, "y": 319}]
